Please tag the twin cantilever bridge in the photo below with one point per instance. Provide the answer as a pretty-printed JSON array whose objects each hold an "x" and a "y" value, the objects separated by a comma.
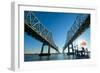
[{"x": 38, "y": 31}]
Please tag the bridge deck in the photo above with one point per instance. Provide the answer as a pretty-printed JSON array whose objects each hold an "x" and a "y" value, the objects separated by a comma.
[
  {"x": 37, "y": 36},
  {"x": 35, "y": 28},
  {"x": 81, "y": 29}
]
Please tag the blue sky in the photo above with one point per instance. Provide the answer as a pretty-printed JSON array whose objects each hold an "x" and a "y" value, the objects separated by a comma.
[{"x": 58, "y": 24}]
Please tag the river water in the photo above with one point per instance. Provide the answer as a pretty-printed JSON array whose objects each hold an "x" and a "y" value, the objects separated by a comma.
[{"x": 36, "y": 57}]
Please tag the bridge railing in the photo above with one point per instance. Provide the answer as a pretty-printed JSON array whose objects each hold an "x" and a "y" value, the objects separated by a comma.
[{"x": 31, "y": 20}]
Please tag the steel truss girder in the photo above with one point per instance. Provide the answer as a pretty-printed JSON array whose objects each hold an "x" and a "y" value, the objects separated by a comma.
[{"x": 31, "y": 20}]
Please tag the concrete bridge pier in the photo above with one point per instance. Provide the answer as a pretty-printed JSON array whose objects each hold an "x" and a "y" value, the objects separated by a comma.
[
  {"x": 49, "y": 49},
  {"x": 42, "y": 48},
  {"x": 70, "y": 47},
  {"x": 44, "y": 54}
]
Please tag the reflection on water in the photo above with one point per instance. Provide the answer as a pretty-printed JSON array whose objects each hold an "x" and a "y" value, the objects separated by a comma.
[{"x": 36, "y": 57}]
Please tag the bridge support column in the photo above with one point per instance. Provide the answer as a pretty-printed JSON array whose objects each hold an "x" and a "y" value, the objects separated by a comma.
[
  {"x": 68, "y": 49},
  {"x": 45, "y": 54},
  {"x": 72, "y": 48},
  {"x": 48, "y": 49},
  {"x": 42, "y": 48}
]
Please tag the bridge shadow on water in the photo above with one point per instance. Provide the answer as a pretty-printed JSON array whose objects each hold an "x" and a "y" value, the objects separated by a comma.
[{"x": 53, "y": 56}]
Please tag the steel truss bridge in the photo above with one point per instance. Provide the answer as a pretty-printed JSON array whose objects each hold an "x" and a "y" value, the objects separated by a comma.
[
  {"x": 81, "y": 23},
  {"x": 37, "y": 30}
]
